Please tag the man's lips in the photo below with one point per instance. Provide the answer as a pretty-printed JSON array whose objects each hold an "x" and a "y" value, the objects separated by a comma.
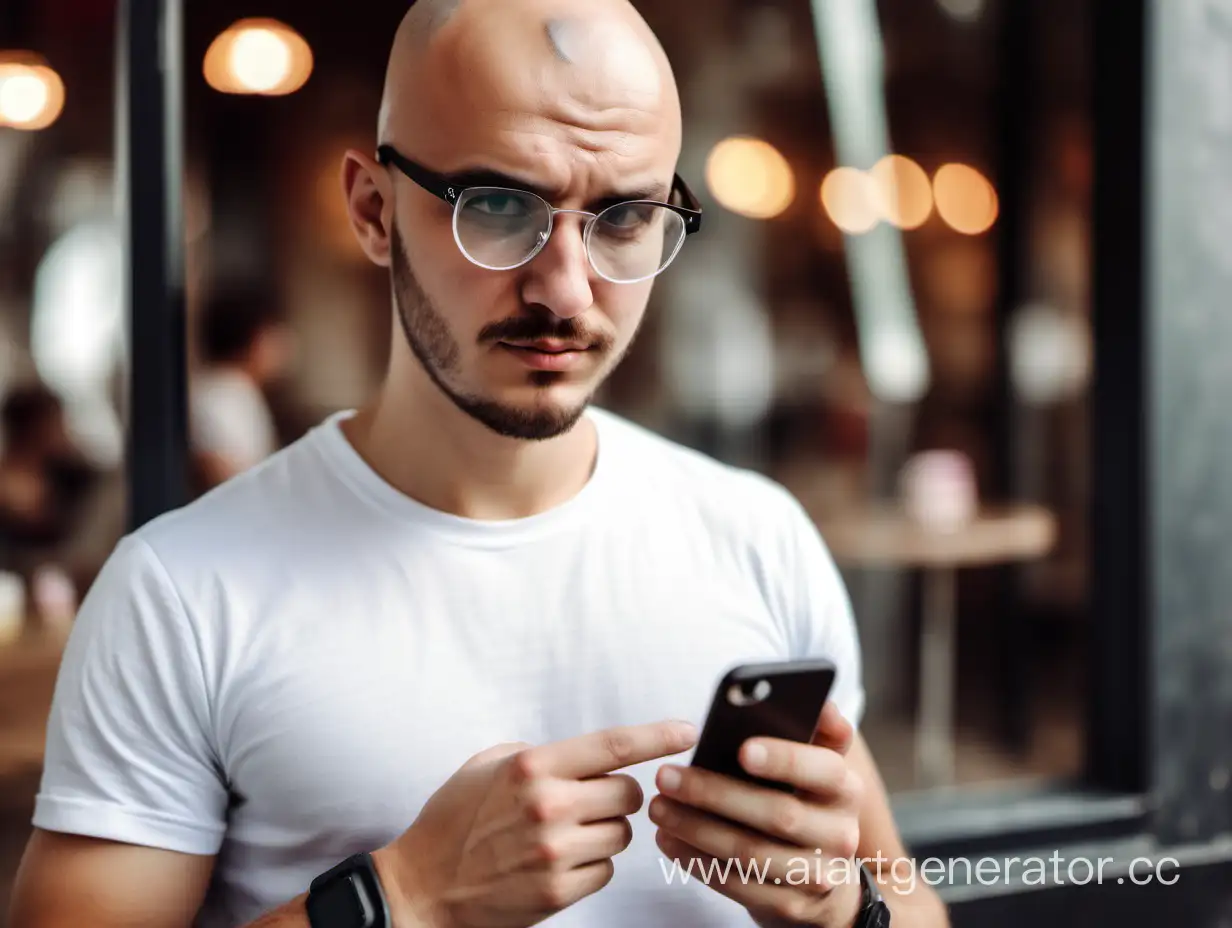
[
  {"x": 548, "y": 345},
  {"x": 548, "y": 354}
]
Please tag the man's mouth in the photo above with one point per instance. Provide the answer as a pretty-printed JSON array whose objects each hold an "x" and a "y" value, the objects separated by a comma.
[
  {"x": 548, "y": 354},
  {"x": 548, "y": 345}
]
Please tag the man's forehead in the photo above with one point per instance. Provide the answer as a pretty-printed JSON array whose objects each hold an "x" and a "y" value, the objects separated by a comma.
[{"x": 468, "y": 56}]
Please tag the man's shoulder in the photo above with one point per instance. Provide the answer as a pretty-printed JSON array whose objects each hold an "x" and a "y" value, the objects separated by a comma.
[
  {"x": 688, "y": 476},
  {"x": 270, "y": 500}
]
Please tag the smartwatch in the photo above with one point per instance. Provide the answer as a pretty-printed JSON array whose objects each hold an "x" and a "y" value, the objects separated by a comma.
[
  {"x": 348, "y": 895},
  {"x": 874, "y": 912}
]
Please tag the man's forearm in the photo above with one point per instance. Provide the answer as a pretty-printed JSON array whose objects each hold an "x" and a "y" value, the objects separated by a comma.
[{"x": 921, "y": 908}]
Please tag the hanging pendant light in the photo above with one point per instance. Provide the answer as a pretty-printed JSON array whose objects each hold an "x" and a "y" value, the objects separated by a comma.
[
  {"x": 258, "y": 56},
  {"x": 31, "y": 92}
]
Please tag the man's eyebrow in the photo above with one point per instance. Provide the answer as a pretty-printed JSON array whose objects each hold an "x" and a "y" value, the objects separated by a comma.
[
  {"x": 487, "y": 177},
  {"x": 657, "y": 191}
]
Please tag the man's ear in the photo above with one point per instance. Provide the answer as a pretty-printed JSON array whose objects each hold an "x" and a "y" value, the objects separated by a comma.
[{"x": 370, "y": 206}]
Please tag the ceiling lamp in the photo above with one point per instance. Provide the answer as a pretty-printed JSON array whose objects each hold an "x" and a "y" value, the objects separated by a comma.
[
  {"x": 258, "y": 56},
  {"x": 31, "y": 93}
]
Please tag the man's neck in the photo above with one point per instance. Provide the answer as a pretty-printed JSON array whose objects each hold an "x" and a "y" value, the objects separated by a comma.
[{"x": 433, "y": 452}]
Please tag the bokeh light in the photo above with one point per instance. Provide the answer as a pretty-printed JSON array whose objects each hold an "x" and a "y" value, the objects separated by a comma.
[
  {"x": 31, "y": 93},
  {"x": 851, "y": 200},
  {"x": 965, "y": 199},
  {"x": 258, "y": 56},
  {"x": 750, "y": 177},
  {"x": 904, "y": 194}
]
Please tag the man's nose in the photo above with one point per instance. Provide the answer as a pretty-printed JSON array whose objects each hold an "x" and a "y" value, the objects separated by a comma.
[{"x": 559, "y": 276}]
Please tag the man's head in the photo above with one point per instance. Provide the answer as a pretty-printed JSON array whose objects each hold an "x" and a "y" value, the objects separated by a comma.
[
  {"x": 574, "y": 99},
  {"x": 32, "y": 423},
  {"x": 246, "y": 333}
]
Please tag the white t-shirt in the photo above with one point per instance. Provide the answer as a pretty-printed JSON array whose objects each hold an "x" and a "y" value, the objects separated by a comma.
[
  {"x": 229, "y": 416},
  {"x": 283, "y": 671}
]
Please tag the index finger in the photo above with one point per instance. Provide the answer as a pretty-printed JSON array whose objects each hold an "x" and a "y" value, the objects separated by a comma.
[{"x": 600, "y": 752}]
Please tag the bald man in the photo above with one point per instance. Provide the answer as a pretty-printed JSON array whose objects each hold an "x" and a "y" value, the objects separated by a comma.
[{"x": 439, "y": 663}]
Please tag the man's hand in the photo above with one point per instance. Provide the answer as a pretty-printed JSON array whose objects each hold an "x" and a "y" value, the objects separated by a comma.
[
  {"x": 803, "y": 844},
  {"x": 520, "y": 832}
]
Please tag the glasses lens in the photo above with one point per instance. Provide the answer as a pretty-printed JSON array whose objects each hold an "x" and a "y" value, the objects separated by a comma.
[
  {"x": 499, "y": 228},
  {"x": 634, "y": 241}
]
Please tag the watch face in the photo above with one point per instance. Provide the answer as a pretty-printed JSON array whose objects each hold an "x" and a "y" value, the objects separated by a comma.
[{"x": 342, "y": 903}]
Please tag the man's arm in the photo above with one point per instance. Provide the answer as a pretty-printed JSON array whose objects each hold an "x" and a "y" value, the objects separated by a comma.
[
  {"x": 131, "y": 759},
  {"x": 560, "y": 809},
  {"x": 67, "y": 881},
  {"x": 912, "y": 901}
]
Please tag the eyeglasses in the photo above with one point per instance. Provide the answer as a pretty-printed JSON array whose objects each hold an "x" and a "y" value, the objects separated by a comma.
[{"x": 501, "y": 228}]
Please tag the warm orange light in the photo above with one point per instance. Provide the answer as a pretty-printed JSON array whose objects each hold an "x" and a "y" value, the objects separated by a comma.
[
  {"x": 750, "y": 177},
  {"x": 965, "y": 198},
  {"x": 851, "y": 200},
  {"x": 31, "y": 93},
  {"x": 904, "y": 195},
  {"x": 258, "y": 56}
]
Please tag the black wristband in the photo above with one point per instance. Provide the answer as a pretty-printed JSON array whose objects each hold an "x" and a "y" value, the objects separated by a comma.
[{"x": 348, "y": 895}]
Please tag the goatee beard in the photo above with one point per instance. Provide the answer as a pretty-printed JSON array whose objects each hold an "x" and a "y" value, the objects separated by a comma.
[{"x": 437, "y": 351}]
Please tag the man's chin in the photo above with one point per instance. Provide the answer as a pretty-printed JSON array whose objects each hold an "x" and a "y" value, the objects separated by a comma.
[{"x": 534, "y": 418}]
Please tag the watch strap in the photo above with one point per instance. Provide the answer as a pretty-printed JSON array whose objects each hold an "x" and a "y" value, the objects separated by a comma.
[{"x": 874, "y": 913}]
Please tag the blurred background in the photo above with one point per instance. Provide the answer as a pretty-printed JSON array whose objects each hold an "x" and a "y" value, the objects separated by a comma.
[{"x": 887, "y": 311}]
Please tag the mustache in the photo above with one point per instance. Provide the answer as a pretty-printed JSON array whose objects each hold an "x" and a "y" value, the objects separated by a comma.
[{"x": 531, "y": 328}]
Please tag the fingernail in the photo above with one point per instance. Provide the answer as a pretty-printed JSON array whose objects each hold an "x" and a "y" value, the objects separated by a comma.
[
  {"x": 669, "y": 779},
  {"x": 754, "y": 756}
]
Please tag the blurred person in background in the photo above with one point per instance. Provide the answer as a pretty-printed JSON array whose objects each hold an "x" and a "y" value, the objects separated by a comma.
[
  {"x": 44, "y": 476},
  {"x": 45, "y": 483},
  {"x": 244, "y": 346},
  {"x": 429, "y": 659}
]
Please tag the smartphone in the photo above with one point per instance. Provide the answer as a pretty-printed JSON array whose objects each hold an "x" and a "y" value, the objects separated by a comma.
[{"x": 782, "y": 699}]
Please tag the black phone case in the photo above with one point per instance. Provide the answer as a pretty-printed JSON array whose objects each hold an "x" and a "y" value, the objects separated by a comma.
[{"x": 779, "y": 700}]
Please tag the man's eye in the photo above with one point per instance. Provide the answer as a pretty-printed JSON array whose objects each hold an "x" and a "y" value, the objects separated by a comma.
[
  {"x": 627, "y": 217},
  {"x": 499, "y": 204}
]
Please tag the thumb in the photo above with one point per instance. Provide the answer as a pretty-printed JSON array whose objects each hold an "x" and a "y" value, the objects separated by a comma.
[{"x": 833, "y": 731}]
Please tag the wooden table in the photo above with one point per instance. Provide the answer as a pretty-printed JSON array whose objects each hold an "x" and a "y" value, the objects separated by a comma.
[{"x": 880, "y": 537}]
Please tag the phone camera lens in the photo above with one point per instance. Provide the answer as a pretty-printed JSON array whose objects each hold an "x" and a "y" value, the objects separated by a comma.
[{"x": 748, "y": 693}]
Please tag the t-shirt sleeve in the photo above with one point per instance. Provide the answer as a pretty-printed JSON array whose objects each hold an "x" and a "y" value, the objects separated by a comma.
[
  {"x": 129, "y": 753},
  {"x": 822, "y": 622}
]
